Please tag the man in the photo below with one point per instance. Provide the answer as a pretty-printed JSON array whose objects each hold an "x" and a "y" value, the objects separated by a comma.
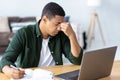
[{"x": 42, "y": 44}]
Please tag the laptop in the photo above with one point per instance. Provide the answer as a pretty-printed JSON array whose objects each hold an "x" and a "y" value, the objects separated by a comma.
[{"x": 95, "y": 64}]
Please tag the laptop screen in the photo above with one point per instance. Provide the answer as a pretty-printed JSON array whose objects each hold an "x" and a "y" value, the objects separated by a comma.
[{"x": 95, "y": 64}]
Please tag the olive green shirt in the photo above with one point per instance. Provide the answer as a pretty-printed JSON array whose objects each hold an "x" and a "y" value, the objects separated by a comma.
[{"x": 26, "y": 44}]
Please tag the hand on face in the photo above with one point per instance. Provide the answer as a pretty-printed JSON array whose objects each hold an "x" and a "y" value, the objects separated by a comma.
[{"x": 66, "y": 28}]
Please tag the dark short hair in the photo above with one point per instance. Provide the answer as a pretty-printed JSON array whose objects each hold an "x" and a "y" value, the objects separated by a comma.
[{"x": 51, "y": 9}]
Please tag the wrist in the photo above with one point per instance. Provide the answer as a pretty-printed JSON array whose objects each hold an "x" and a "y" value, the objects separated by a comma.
[{"x": 5, "y": 68}]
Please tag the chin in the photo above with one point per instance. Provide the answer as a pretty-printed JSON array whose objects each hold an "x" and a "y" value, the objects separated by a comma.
[{"x": 53, "y": 34}]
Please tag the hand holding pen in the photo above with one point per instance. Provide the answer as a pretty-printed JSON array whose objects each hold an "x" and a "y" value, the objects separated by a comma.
[
  {"x": 13, "y": 72},
  {"x": 18, "y": 72}
]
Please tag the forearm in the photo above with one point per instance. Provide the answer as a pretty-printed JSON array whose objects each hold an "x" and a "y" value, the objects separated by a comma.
[{"x": 75, "y": 47}]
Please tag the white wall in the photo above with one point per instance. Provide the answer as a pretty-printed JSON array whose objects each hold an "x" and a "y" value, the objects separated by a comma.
[{"x": 79, "y": 13}]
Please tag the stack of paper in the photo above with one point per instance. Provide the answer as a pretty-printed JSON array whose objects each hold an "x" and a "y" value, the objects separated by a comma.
[{"x": 37, "y": 74}]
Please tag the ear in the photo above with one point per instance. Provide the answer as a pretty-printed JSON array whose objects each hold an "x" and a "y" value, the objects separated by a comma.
[{"x": 45, "y": 19}]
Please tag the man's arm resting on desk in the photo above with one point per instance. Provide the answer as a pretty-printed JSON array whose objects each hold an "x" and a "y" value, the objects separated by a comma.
[{"x": 13, "y": 73}]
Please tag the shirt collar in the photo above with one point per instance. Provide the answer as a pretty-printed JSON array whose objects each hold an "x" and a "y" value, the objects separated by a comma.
[{"x": 38, "y": 32}]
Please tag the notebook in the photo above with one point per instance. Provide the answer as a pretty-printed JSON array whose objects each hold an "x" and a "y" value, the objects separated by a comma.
[{"x": 95, "y": 64}]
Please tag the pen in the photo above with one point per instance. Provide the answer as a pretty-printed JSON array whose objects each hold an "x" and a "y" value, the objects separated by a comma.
[{"x": 14, "y": 67}]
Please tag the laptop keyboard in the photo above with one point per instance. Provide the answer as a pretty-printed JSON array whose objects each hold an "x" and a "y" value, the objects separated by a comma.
[
  {"x": 69, "y": 75},
  {"x": 74, "y": 78}
]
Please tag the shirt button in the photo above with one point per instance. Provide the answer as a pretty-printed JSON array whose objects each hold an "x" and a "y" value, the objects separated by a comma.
[
  {"x": 56, "y": 62},
  {"x": 51, "y": 52},
  {"x": 37, "y": 35}
]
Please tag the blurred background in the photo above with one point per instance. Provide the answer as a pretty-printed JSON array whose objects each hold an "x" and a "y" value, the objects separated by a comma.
[{"x": 79, "y": 13}]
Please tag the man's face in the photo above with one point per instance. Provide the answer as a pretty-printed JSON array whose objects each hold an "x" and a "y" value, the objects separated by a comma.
[{"x": 53, "y": 25}]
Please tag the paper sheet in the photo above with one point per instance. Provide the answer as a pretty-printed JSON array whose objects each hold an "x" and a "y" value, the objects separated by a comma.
[{"x": 37, "y": 74}]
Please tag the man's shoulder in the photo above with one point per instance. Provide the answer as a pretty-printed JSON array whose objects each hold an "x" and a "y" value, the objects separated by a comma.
[{"x": 27, "y": 29}]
